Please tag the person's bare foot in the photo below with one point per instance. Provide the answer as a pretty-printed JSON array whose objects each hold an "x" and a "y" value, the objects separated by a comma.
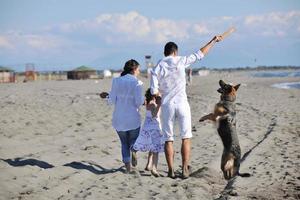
[
  {"x": 171, "y": 174},
  {"x": 148, "y": 168},
  {"x": 133, "y": 158},
  {"x": 155, "y": 173},
  {"x": 186, "y": 172},
  {"x": 128, "y": 167}
]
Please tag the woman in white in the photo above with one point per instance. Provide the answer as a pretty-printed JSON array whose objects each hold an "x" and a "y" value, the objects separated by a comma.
[{"x": 127, "y": 96}]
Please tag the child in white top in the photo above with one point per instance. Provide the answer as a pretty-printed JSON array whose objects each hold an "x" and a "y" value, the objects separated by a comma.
[{"x": 150, "y": 137}]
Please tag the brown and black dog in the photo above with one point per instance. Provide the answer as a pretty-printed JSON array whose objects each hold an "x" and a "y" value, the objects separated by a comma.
[{"x": 225, "y": 116}]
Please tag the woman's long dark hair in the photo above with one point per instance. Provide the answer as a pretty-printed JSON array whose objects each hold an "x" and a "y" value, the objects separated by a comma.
[{"x": 129, "y": 67}]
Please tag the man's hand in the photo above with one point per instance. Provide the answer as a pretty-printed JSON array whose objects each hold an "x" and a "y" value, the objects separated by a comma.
[
  {"x": 103, "y": 95},
  {"x": 211, "y": 43},
  {"x": 218, "y": 38}
]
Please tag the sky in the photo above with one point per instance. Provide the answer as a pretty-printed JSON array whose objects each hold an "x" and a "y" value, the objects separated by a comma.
[{"x": 65, "y": 34}]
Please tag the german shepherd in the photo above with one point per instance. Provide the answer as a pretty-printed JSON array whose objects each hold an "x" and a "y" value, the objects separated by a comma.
[{"x": 225, "y": 117}]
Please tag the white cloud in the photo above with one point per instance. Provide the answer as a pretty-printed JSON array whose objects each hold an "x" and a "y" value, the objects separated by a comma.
[
  {"x": 5, "y": 43},
  {"x": 274, "y": 18},
  {"x": 200, "y": 29},
  {"x": 278, "y": 24},
  {"x": 112, "y": 30},
  {"x": 133, "y": 26},
  {"x": 227, "y": 18},
  {"x": 19, "y": 42},
  {"x": 131, "y": 23},
  {"x": 164, "y": 30},
  {"x": 42, "y": 42}
]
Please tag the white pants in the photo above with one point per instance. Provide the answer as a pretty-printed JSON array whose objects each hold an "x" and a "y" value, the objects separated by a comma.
[{"x": 180, "y": 112}]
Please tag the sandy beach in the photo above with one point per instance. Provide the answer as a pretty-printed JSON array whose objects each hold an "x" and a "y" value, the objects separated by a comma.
[{"x": 57, "y": 142}]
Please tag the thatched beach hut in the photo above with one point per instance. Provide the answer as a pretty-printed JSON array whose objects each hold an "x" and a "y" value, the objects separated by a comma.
[
  {"x": 7, "y": 75},
  {"x": 30, "y": 73},
  {"x": 82, "y": 72}
]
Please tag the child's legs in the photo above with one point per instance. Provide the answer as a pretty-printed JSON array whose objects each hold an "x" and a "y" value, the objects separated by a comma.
[
  {"x": 154, "y": 171},
  {"x": 155, "y": 160},
  {"x": 150, "y": 161}
]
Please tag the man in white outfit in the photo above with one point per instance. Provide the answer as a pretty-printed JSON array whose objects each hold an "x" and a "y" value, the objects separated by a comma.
[{"x": 168, "y": 78}]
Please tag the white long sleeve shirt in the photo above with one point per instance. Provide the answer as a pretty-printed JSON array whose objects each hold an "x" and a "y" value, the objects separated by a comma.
[
  {"x": 168, "y": 77},
  {"x": 127, "y": 96}
]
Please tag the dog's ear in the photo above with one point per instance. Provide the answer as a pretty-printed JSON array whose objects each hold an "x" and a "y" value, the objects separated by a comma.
[
  {"x": 222, "y": 83},
  {"x": 236, "y": 87},
  {"x": 220, "y": 90}
]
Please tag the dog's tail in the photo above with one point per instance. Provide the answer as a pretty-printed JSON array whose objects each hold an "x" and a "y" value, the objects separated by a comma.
[{"x": 243, "y": 174}]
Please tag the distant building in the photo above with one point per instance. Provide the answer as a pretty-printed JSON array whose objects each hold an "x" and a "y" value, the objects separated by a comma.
[
  {"x": 203, "y": 72},
  {"x": 30, "y": 74},
  {"x": 116, "y": 74},
  {"x": 107, "y": 73},
  {"x": 82, "y": 72},
  {"x": 7, "y": 75}
]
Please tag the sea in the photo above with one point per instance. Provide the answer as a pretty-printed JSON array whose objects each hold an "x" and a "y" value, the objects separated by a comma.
[{"x": 286, "y": 85}]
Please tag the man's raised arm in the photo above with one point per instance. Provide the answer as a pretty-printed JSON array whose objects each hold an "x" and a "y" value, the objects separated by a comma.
[
  {"x": 188, "y": 60},
  {"x": 210, "y": 44}
]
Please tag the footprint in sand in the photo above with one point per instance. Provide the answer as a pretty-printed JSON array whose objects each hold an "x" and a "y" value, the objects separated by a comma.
[
  {"x": 28, "y": 123},
  {"x": 153, "y": 193},
  {"x": 89, "y": 147},
  {"x": 105, "y": 152},
  {"x": 105, "y": 187},
  {"x": 124, "y": 184}
]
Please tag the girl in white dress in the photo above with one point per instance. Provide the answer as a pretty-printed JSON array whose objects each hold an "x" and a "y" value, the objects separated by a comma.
[{"x": 150, "y": 137}]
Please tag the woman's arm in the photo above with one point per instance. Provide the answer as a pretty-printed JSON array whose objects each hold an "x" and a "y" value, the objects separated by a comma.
[{"x": 112, "y": 96}]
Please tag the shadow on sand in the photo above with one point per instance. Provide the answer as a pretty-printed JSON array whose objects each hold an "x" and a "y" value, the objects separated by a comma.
[
  {"x": 93, "y": 167},
  {"x": 19, "y": 162},
  {"x": 90, "y": 166}
]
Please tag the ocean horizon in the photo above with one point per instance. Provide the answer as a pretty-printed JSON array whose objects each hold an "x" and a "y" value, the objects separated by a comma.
[
  {"x": 285, "y": 85},
  {"x": 266, "y": 74}
]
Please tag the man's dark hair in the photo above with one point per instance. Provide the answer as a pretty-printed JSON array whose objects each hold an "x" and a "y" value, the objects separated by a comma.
[{"x": 170, "y": 48}]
